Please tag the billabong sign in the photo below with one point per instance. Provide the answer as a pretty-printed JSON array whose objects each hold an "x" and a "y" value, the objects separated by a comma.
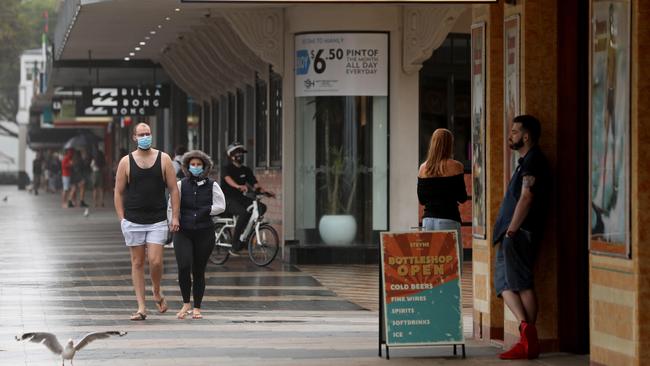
[{"x": 123, "y": 101}]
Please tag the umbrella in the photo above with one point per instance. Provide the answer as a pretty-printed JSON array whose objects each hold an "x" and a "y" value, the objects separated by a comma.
[{"x": 80, "y": 141}]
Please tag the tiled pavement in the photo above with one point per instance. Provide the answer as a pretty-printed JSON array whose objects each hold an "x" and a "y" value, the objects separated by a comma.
[{"x": 68, "y": 274}]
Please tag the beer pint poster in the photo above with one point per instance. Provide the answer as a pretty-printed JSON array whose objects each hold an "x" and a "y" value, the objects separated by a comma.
[{"x": 421, "y": 288}]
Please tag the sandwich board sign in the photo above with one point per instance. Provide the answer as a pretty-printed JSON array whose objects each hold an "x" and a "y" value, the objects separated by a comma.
[{"x": 421, "y": 289}]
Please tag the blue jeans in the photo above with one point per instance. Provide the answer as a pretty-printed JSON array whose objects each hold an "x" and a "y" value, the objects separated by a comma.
[{"x": 431, "y": 223}]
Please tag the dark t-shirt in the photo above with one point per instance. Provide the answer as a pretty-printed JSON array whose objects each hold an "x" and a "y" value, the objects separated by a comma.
[
  {"x": 241, "y": 175},
  {"x": 533, "y": 164},
  {"x": 441, "y": 196}
]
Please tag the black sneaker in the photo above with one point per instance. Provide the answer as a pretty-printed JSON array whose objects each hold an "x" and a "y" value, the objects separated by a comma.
[
  {"x": 83, "y": 204},
  {"x": 70, "y": 204}
]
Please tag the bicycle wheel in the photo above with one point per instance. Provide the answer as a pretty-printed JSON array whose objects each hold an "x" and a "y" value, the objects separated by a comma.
[
  {"x": 222, "y": 245},
  {"x": 263, "y": 250}
]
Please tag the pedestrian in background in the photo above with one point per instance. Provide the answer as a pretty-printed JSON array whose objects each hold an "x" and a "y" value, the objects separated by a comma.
[
  {"x": 98, "y": 166},
  {"x": 85, "y": 181},
  {"x": 66, "y": 178},
  {"x": 178, "y": 161},
  {"x": 37, "y": 172},
  {"x": 47, "y": 174},
  {"x": 140, "y": 204},
  {"x": 55, "y": 172},
  {"x": 201, "y": 198},
  {"x": 441, "y": 187},
  {"x": 76, "y": 179}
]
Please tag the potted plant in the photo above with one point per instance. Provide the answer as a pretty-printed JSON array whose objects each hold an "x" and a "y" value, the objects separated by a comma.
[{"x": 339, "y": 177}]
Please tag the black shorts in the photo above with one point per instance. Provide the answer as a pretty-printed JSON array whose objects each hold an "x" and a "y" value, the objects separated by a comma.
[{"x": 514, "y": 263}]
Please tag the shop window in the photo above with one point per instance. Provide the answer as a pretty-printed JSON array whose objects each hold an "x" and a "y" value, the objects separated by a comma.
[
  {"x": 275, "y": 121},
  {"x": 215, "y": 148},
  {"x": 442, "y": 55},
  {"x": 260, "y": 123},
  {"x": 239, "y": 129},
  {"x": 232, "y": 118},
  {"x": 445, "y": 96},
  {"x": 207, "y": 128},
  {"x": 224, "y": 139},
  {"x": 461, "y": 50},
  {"x": 249, "y": 124},
  {"x": 193, "y": 125}
]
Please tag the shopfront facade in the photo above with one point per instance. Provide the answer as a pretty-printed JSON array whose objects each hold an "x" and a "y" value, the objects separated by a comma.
[{"x": 274, "y": 79}]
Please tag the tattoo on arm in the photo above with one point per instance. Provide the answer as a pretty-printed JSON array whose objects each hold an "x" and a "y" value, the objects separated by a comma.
[{"x": 528, "y": 181}]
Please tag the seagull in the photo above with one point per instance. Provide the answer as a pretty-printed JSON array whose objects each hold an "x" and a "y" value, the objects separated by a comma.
[
  {"x": 67, "y": 353},
  {"x": 86, "y": 212}
]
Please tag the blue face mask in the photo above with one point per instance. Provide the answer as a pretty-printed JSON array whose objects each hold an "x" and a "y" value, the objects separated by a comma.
[
  {"x": 196, "y": 170},
  {"x": 144, "y": 142}
]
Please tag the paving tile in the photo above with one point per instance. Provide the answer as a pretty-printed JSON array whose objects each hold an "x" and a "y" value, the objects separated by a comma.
[{"x": 69, "y": 275}]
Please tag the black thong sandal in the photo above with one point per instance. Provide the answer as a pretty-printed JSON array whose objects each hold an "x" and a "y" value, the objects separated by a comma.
[{"x": 138, "y": 316}]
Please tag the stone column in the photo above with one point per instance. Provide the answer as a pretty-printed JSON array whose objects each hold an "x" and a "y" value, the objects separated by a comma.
[
  {"x": 640, "y": 133},
  {"x": 619, "y": 287}
]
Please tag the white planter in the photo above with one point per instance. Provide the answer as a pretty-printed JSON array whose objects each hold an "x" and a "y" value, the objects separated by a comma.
[{"x": 337, "y": 229}]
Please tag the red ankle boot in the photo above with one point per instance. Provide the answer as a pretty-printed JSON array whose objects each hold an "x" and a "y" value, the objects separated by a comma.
[
  {"x": 529, "y": 334},
  {"x": 517, "y": 352}
]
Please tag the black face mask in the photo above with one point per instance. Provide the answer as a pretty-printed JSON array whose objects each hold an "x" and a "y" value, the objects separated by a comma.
[{"x": 239, "y": 158}]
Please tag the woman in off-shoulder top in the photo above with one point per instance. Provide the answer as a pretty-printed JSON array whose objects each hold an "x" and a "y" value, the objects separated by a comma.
[{"x": 441, "y": 186}]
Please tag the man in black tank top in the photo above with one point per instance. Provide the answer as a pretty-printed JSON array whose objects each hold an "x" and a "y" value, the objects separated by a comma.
[{"x": 140, "y": 203}]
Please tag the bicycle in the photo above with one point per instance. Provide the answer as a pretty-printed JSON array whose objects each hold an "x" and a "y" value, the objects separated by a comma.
[{"x": 262, "y": 239}]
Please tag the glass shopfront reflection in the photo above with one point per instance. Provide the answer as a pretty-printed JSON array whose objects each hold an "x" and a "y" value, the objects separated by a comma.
[
  {"x": 341, "y": 165},
  {"x": 341, "y": 98}
]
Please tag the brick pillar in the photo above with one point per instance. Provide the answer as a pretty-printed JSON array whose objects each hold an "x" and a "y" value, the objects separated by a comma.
[
  {"x": 538, "y": 70},
  {"x": 619, "y": 287},
  {"x": 640, "y": 173},
  {"x": 488, "y": 310}
]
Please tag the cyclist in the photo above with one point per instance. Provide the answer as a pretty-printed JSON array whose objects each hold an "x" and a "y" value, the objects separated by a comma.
[{"x": 236, "y": 178}]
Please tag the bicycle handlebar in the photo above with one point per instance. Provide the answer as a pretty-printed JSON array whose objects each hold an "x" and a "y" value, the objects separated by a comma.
[{"x": 257, "y": 194}]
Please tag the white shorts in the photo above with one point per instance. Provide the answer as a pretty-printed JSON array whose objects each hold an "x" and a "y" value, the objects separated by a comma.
[
  {"x": 66, "y": 183},
  {"x": 141, "y": 234}
]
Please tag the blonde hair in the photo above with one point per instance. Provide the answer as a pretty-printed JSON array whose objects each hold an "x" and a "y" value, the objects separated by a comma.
[{"x": 440, "y": 150}]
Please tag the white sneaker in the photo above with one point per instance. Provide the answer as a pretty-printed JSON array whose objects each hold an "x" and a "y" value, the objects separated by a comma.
[
  {"x": 234, "y": 254},
  {"x": 170, "y": 245}
]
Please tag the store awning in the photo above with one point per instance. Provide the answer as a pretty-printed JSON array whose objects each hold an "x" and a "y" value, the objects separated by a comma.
[
  {"x": 53, "y": 138},
  {"x": 207, "y": 49}
]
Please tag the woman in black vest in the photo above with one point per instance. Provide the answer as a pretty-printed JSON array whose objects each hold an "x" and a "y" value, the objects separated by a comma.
[{"x": 201, "y": 197}]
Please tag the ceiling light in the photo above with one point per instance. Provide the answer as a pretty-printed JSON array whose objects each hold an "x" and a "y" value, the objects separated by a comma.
[
  {"x": 152, "y": 32},
  {"x": 147, "y": 38},
  {"x": 131, "y": 53},
  {"x": 177, "y": 9},
  {"x": 168, "y": 18},
  {"x": 137, "y": 48},
  {"x": 143, "y": 43},
  {"x": 159, "y": 26},
  {"x": 127, "y": 58}
]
